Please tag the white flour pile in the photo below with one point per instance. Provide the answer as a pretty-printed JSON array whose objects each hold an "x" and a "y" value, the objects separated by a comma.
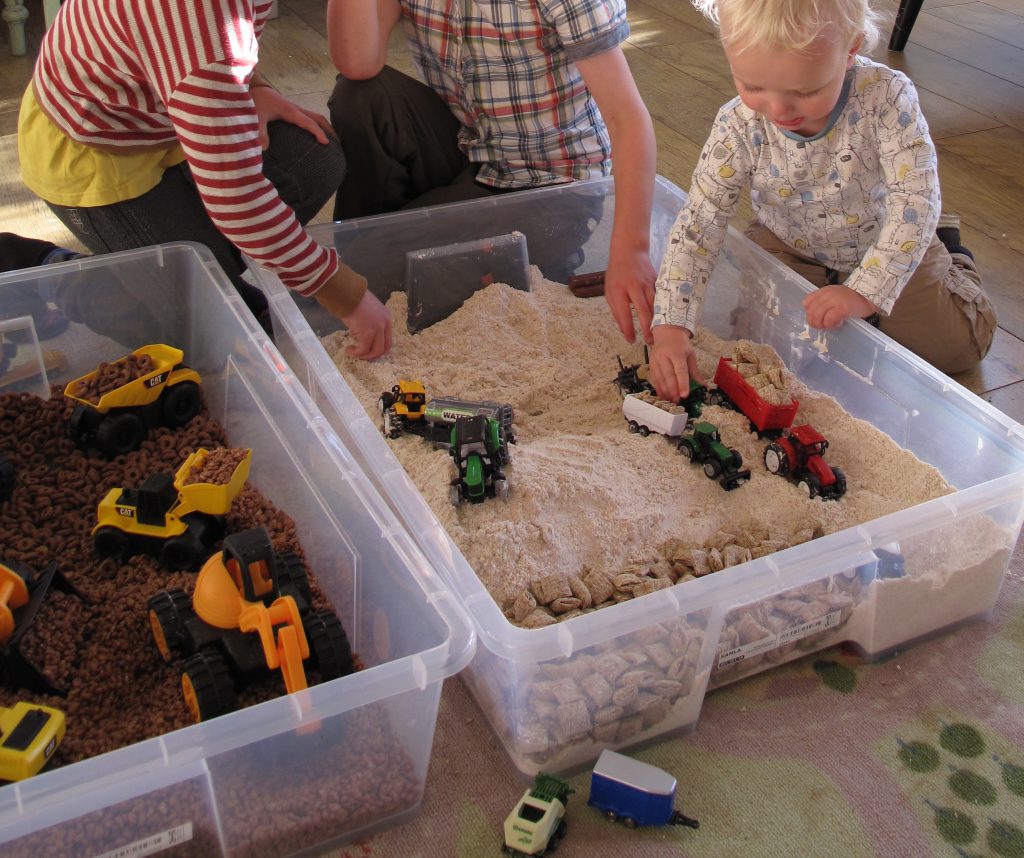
[{"x": 584, "y": 491}]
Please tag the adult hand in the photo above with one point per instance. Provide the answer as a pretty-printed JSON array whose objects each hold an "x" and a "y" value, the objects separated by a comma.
[
  {"x": 673, "y": 362},
  {"x": 830, "y": 306},
  {"x": 370, "y": 324},
  {"x": 271, "y": 105},
  {"x": 628, "y": 286}
]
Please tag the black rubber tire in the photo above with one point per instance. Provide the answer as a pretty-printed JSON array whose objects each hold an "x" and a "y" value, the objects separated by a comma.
[
  {"x": 292, "y": 575},
  {"x": 687, "y": 451},
  {"x": 328, "y": 645},
  {"x": 839, "y": 487},
  {"x": 111, "y": 542},
  {"x": 76, "y": 424},
  {"x": 7, "y": 477},
  {"x": 211, "y": 681},
  {"x": 811, "y": 485},
  {"x": 183, "y": 553},
  {"x": 712, "y": 469},
  {"x": 179, "y": 404},
  {"x": 778, "y": 453},
  {"x": 167, "y": 612},
  {"x": 120, "y": 434}
]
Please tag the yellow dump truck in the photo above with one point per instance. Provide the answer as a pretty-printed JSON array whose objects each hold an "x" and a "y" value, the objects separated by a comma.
[
  {"x": 170, "y": 517},
  {"x": 148, "y": 388}
]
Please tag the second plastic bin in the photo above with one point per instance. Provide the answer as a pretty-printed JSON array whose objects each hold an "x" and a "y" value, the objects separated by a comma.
[
  {"x": 316, "y": 768},
  {"x": 880, "y": 586}
]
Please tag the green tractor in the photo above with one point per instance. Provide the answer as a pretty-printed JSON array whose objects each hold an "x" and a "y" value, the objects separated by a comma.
[
  {"x": 478, "y": 448},
  {"x": 721, "y": 463}
]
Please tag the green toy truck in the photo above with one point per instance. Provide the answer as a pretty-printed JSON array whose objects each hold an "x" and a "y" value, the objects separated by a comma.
[{"x": 537, "y": 822}]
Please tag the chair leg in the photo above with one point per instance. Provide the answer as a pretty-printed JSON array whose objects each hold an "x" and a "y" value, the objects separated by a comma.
[
  {"x": 905, "y": 18},
  {"x": 15, "y": 14}
]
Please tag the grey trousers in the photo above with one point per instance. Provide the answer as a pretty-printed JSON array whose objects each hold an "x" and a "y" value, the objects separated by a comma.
[{"x": 304, "y": 172}]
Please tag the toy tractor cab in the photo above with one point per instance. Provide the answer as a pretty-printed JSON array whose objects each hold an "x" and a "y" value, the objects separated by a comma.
[
  {"x": 175, "y": 518},
  {"x": 21, "y": 596},
  {"x": 402, "y": 406},
  {"x": 250, "y": 614},
  {"x": 476, "y": 449},
  {"x": 721, "y": 463}
]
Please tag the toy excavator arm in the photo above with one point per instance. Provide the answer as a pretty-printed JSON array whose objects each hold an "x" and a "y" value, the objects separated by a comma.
[{"x": 290, "y": 648}]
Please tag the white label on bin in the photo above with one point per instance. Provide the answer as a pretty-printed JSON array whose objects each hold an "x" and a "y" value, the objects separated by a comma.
[
  {"x": 732, "y": 655},
  {"x": 153, "y": 844}
]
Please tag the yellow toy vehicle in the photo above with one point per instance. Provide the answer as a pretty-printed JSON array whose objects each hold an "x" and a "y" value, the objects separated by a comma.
[
  {"x": 118, "y": 403},
  {"x": 29, "y": 734},
  {"x": 402, "y": 407},
  {"x": 250, "y": 613},
  {"x": 174, "y": 518}
]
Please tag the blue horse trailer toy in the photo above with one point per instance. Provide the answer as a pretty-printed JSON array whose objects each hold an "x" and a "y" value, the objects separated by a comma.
[{"x": 634, "y": 793}]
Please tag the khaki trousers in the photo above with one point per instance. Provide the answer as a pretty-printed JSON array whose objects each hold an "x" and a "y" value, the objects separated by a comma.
[{"x": 943, "y": 314}]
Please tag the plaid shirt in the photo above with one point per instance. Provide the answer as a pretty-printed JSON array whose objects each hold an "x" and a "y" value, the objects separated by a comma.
[{"x": 506, "y": 69}]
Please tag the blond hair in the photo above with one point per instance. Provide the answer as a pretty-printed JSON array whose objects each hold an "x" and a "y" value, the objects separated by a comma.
[{"x": 791, "y": 25}]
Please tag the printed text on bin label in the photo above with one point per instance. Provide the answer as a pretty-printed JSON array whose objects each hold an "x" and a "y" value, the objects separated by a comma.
[
  {"x": 152, "y": 844},
  {"x": 732, "y": 655}
]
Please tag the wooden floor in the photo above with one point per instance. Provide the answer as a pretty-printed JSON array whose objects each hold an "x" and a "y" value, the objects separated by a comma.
[{"x": 965, "y": 57}]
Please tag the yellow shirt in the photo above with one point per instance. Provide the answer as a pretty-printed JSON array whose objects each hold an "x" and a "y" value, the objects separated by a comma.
[{"x": 65, "y": 172}]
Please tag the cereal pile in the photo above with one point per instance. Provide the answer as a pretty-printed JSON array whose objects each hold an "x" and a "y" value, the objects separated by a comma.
[
  {"x": 110, "y": 376},
  {"x": 100, "y": 650},
  {"x": 217, "y": 467}
]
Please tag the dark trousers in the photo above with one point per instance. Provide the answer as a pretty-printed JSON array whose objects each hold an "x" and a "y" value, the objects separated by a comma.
[
  {"x": 403, "y": 142},
  {"x": 304, "y": 172}
]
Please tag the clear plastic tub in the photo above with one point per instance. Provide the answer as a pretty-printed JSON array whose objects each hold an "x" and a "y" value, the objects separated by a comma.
[
  {"x": 882, "y": 585},
  {"x": 269, "y": 779}
]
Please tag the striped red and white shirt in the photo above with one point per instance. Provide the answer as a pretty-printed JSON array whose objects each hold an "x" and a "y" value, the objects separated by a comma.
[{"x": 129, "y": 74}]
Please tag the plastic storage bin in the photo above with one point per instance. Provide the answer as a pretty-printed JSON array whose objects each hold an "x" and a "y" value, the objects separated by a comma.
[
  {"x": 269, "y": 779},
  {"x": 880, "y": 586}
]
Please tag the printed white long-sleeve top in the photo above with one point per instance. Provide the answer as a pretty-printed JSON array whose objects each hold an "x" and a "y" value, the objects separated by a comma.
[{"x": 862, "y": 196}]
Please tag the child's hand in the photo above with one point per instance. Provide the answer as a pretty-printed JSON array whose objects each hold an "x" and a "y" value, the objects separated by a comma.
[
  {"x": 370, "y": 324},
  {"x": 673, "y": 362},
  {"x": 271, "y": 105},
  {"x": 629, "y": 282},
  {"x": 830, "y": 306}
]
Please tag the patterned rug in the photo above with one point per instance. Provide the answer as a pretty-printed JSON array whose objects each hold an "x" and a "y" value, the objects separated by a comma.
[{"x": 920, "y": 754}]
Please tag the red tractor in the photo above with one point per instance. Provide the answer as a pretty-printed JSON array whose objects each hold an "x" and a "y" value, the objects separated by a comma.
[{"x": 799, "y": 455}]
